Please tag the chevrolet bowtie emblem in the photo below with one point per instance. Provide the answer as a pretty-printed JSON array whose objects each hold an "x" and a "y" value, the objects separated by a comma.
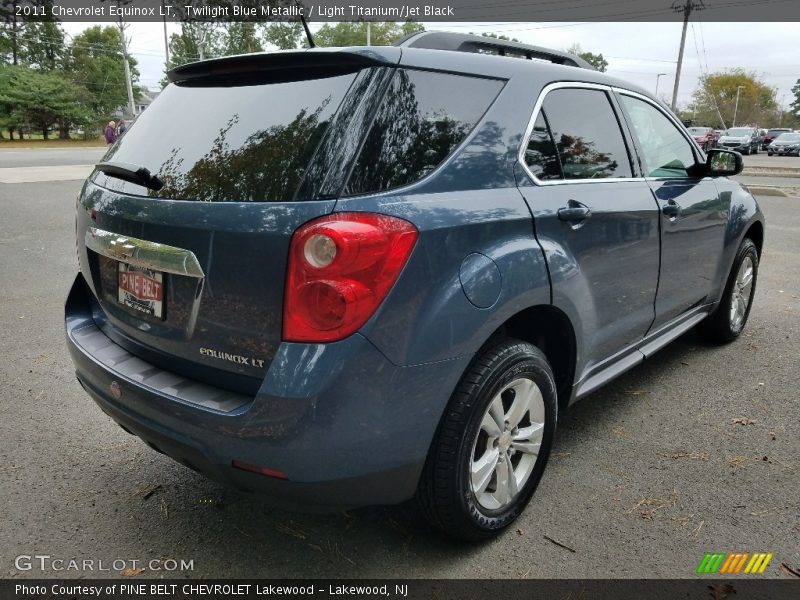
[{"x": 120, "y": 248}]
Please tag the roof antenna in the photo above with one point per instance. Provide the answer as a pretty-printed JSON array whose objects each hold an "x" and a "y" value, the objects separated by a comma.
[{"x": 311, "y": 43}]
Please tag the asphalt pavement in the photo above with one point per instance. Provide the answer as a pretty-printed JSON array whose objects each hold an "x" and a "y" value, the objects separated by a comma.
[{"x": 697, "y": 450}]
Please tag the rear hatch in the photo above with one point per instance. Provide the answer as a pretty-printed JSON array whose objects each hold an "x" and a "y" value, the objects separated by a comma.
[{"x": 190, "y": 273}]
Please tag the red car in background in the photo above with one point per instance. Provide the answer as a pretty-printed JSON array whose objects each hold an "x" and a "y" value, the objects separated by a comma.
[{"x": 705, "y": 137}]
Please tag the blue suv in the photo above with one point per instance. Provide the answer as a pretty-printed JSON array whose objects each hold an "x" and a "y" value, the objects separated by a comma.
[{"x": 359, "y": 276}]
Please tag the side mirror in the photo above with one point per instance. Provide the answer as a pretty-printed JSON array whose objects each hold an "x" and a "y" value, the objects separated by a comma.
[{"x": 723, "y": 163}]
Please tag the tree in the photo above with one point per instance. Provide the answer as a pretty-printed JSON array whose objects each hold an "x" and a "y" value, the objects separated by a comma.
[
  {"x": 382, "y": 33},
  {"x": 794, "y": 107},
  {"x": 285, "y": 36},
  {"x": 39, "y": 100},
  {"x": 498, "y": 36},
  {"x": 596, "y": 60},
  {"x": 196, "y": 41},
  {"x": 10, "y": 32},
  {"x": 94, "y": 61},
  {"x": 716, "y": 94},
  {"x": 43, "y": 46},
  {"x": 241, "y": 37}
]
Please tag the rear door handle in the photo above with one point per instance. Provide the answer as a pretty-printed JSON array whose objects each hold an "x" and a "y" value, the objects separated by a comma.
[
  {"x": 575, "y": 211},
  {"x": 671, "y": 209}
]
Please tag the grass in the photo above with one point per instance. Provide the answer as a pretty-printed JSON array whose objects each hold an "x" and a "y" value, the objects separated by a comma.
[{"x": 40, "y": 143}]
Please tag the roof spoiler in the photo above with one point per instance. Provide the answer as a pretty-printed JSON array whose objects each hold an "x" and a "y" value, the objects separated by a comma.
[
  {"x": 263, "y": 64},
  {"x": 458, "y": 42}
]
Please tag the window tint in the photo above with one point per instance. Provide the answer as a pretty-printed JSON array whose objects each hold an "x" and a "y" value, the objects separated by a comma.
[
  {"x": 230, "y": 143},
  {"x": 541, "y": 155},
  {"x": 586, "y": 133},
  {"x": 422, "y": 118},
  {"x": 667, "y": 153}
]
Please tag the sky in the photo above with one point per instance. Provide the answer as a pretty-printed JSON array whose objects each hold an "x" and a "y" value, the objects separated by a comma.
[{"x": 636, "y": 52}]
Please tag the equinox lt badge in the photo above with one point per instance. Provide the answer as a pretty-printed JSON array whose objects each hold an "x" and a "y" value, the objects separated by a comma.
[{"x": 234, "y": 358}]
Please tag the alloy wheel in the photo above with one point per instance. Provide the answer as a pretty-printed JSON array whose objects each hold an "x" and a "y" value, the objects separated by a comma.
[
  {"x": 507, "y": 444},
  {"x": 742, "y": 291}
]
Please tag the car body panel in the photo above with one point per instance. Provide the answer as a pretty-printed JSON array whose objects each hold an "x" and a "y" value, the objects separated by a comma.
[{"x": 350, "y": 422}]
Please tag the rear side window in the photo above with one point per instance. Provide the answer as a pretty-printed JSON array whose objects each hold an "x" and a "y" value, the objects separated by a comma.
[
  {"x": 541, "y": 155},
  {"x": 587, "y": 136},
  {"x": 230, "y": 143},
  {"x": 423, "y": 117}
]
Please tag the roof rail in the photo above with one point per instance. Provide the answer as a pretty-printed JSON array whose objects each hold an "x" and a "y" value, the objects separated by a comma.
[{"x": 459, "y": 42}]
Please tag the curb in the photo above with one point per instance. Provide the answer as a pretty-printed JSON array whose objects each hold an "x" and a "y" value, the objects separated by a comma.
[{"x": 767, "y": 190}]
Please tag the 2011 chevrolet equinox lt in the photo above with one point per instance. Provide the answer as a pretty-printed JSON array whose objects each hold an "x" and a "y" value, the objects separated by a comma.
[{"x": 357, "y": 276}]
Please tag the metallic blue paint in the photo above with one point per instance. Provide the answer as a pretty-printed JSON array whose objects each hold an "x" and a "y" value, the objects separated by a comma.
[{"x": 351, "y": 422}]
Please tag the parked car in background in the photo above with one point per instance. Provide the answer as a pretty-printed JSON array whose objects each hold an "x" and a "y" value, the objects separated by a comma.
[
  {"x": 706, "y": 137},
  {"x": 741, "y": 139},
  {"x": 785, "y": 144},
  {"x": 772, "y": 134},
  {"x": 374, "y": 274}
]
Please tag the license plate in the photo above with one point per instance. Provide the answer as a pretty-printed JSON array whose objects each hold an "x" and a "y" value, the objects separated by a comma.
[{"x": 141, "y": 290}]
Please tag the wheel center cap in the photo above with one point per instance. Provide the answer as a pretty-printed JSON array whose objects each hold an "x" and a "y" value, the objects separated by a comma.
[{"x": 505, "y": 440}]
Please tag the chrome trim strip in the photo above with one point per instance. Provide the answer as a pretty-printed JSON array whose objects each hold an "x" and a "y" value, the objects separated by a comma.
[
  {"x": 591, "y": 86},
  {"x": 144, "y": 254},
  {"x": 529, "y": 130}
]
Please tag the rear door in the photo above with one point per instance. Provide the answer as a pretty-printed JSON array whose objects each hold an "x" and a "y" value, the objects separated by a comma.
[
  {"x": 693, "y": 214},
  {"x": 595, "y": 218},
  {"x": 192, "y": 274}
]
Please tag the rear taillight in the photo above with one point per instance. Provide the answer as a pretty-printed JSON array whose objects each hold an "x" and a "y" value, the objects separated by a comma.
[{"x": 340, "y": 269}]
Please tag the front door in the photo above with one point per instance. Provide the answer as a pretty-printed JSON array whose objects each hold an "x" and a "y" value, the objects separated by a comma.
[{"x": 693, "y": 215}]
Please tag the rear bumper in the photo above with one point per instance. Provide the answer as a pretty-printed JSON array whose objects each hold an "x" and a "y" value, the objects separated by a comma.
[{"x": 346, "y": 426}]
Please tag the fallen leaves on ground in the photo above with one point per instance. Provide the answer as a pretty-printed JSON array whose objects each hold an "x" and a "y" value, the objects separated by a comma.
[
  {"x": 653, "y": 505},
  {"x": 132, "y": 572},
  {"x": 737, "y": 461},
  {"x": 742, "y": 421},
  {"x": 690, "y": 455},
  {"x": 148, "y": 491}
]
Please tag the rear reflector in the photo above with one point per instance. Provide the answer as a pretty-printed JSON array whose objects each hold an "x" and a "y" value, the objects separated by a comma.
[{"x": 238, "y": 464}]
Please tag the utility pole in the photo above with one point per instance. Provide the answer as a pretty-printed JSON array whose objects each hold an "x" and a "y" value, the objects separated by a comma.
[
  {"x": 166, "y": 41},
  {"x": 124, "y": 43},
  {"x": 686, "y": 9},
  {"x": 369, "y": 33},
  {"x": 736, "y": 106},
  {"x": 780, "y": 115}
]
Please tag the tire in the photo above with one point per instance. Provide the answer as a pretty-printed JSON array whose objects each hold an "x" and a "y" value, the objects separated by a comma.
[
  {"x": 727, "y": 321},
  {"x": 461, "y": 490},
  {"x": 755, "y": 149},
  {"x": 746, "y": 151},
  {"x": 769, "y": 153}
]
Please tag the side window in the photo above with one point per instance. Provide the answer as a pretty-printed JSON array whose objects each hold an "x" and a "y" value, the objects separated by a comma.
[
  {"x": 424, "y": 116},
  {"x": 541, "y": 155},
  {"x": 666, "y": 152},
  {"x": 586, "y": 134}
]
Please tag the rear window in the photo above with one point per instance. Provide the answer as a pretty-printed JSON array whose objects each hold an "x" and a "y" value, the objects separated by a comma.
[
  {"x": 423, "y": 117},
  {"x": 216, "y": 144}
]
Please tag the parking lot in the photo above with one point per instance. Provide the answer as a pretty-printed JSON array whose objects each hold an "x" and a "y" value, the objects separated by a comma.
[{"x": 697, "y": 450}]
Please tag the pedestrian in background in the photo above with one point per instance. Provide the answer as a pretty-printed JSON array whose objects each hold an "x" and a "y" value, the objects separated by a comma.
[
  {"x": 111, "y": 132},
  {"x": 122, "y": 127}
]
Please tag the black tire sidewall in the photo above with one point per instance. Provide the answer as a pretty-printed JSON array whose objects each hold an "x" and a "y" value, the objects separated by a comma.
[
  {"x": 520, "y": 364},
  {"x": 747, "y": 248}
]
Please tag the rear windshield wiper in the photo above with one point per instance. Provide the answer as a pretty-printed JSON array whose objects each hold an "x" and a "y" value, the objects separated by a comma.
[{"x": 130, "y": 173}]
